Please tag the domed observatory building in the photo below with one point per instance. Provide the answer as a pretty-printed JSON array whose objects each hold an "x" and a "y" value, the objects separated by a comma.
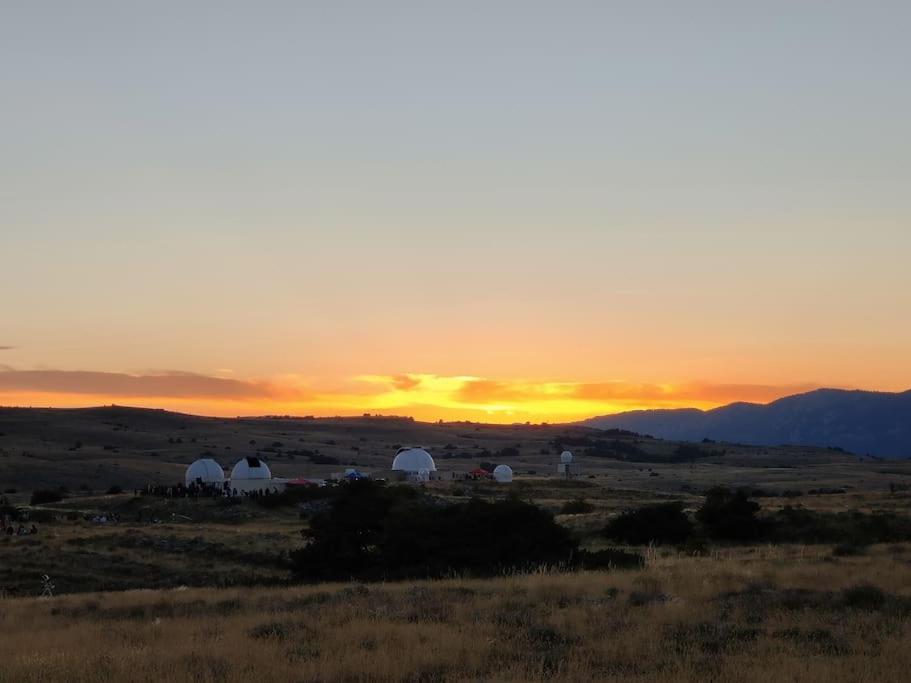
[
  {"x": 502, "y": 474},
  {"x": 414, "y": 464},
  {"x": 252, "y": 474},
  {"x": 204, "y": 472}
]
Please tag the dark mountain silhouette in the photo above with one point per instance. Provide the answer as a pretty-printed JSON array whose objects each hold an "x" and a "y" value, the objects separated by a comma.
[{"x": 862, "y": 422}]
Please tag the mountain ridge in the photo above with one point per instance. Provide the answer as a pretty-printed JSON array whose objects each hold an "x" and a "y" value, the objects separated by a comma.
[{"x": 873, "y": 423}]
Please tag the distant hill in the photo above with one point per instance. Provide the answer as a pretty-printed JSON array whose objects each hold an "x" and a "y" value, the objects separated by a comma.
[{"x": 862, "y": 422}]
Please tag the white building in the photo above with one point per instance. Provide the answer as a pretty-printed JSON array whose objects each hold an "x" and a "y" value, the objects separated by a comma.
[
  {"x": 414, "y": 464},
  {"x": 253, "y": 474},
  {"x": 502, "y": 474},
  {"x": 413, "y": 460},
  {"x": 204, "y": 472}
]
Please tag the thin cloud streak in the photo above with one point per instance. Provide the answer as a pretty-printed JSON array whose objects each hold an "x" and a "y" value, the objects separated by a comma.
[
  {"x": 485, "y": 390},
  {"x": 179, "y": 385}
]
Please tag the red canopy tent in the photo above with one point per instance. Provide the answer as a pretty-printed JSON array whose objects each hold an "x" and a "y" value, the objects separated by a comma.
[{"x": 300, "y": 482}]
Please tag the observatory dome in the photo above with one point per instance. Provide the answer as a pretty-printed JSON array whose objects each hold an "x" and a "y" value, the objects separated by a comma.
[
  {"x": 413, "y": 460},
  {"x": 205, "y": 471},
  {"x": 566, "y": 457},
  {"x": 503, "y": 474},
  {"x": 251, "y": 468}
]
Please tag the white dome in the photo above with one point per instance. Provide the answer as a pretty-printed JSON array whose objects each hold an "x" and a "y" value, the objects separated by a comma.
[
  {"x": 566, "y": 457},
  {"x": 206, "y": 471},
  {"x": 503, "y": 474},
  {"x": 413, "y": 460},
  {"x": 251, "y": 468}
]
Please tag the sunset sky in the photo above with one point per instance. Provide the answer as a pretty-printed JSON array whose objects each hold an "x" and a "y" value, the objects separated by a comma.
[{"x": 497, "y": 211}]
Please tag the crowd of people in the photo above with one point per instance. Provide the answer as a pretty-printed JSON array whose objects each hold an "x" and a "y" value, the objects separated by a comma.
[
  {"x": 13, "y": 527},
  {"x": 182, "y": 491},
  {"x": 200, "y": 490}
]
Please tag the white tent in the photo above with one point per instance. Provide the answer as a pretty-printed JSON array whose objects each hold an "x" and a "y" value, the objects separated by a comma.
[
  {"x": 204, "y": 471},
  {"x": 413, "y": 461},
  {"x": 503, "y": 474}
]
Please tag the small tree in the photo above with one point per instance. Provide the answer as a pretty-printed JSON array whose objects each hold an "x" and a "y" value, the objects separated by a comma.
[{"x": 729, "y": 515}]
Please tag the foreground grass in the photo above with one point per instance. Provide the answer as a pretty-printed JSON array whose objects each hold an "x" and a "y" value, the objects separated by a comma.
[{"x": 759, "y": 614}]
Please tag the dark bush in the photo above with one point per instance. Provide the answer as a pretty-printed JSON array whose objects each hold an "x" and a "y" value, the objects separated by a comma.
[
  {"x": 320, "y": 459},
  {"x": 689, "y": 451},
  {"x": 44, "y": 496},
  {"x": 662, "y": 523},
  {"x": 863, "y": 597},
  {"x": 7, "y": 510},
  {"x": 115, "y": 490},
  {"x": 848, "y": 550},
  {"x": 615, "y": 448},
  {"x": 576, "y": 507},
  {"x": 372, "y": 531},
  {"x": 729, "y": 515},
  {"x": 857, "y": 529}
]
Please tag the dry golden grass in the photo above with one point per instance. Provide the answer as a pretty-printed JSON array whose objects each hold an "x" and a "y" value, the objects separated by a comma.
[{"x": 754, "y": 614}]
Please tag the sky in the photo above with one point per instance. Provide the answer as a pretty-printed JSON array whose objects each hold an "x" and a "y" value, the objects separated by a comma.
[{"x": 494, "y": 211}]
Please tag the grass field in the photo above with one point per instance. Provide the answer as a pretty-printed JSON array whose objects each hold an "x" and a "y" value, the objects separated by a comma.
[{"x": 757, "y": 614}]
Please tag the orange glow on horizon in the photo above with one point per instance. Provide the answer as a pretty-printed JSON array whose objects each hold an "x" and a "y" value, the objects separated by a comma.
[{"x": 425, "y": 397}]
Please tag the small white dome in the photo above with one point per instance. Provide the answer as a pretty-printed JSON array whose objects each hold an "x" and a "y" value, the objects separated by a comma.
[
  {"x": 413, "y": 460},
  {"x": 205, "y": 471},
  {"x": 503, "y": 474},
  {"x": 251, "y": 468},
  {"x": 566, "y": 457}
]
